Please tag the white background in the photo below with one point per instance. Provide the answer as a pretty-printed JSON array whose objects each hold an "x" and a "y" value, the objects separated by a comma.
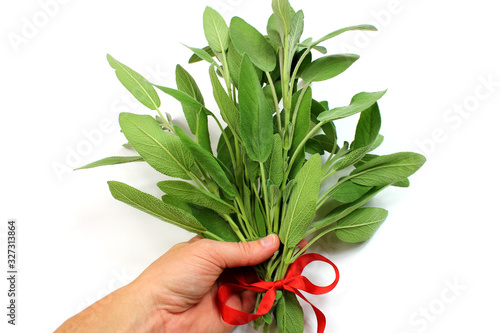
[{"x": 76, "y": 243}]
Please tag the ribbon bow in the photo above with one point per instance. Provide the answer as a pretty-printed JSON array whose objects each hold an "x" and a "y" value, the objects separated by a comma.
[{"x": 293, "y": 281}]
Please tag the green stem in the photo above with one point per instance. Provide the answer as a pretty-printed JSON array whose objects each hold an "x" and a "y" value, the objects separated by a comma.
[
  {"x": 263, "y": 188},
  {"x": 276, "y": 102},
  {"x": 235, "y": 228},
  {"x": 296, "y": 153}
]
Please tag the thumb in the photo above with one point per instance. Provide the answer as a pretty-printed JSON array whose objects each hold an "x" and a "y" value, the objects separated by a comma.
[{"x": 229, "y": 255}]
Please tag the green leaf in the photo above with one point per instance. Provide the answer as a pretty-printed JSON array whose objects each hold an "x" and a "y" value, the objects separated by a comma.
[
  {"x": 256, "y": 118},
  {"x": 313, "y": 146},
  {"x": 340, "y": 31},
  {"x": 328, "y": 128},
  {"x": 216, "y": 30},
  {"x": 303, "y": 119},
  {"x": 210, "y": 220},
  {"x": 360, "y": 225},
  {"x": 234, "y": 64},
  {"x": 353, "y": 157},
  {"x": 360, "y": 102},
  {"x": 260, "y": 220},
  {"x": 163, "y": 151},
  {"x": 248, "y": 40},
  {"x": 387, "y": 169},
  {"x": 182, "y": 97},
  {"x": 206, "y": 54},
  {"x": 344, "y": 210},
  {"x": 112, "y": 161},
  {"x": 228, "y": 110},
  {"x": 289, "y": 314},
  {"x": 326, "y": 143},
  {"x": 274, "y": 164},
  {"x": 328, "y": 67},
  {"x": 349, "y": 192},
  {"x": 368, "y": 128},
  {"x": 302, "y": 205},
  {"x": 296, "y": 30},
  {"x": 195, "y": 195},
  {"x": 154, "y": 206},
  {"x": 402, "y": 183},
  {"x": 195, "y": 116},
  {"x": 377, "y": 143},
  {"x": 223, "y": 154},
  {"x": 136, "y": 84},
  {"x": 273, "y": 30},
  {"x": 207, "y": 161},
  {"x": 281, "y": 9}
]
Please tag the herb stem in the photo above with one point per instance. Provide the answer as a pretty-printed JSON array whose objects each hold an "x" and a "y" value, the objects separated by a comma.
[
  {"x": 276, "y": 102},
  {"x": 263, "y": 188},
  {"x": 296, "y": 153}
]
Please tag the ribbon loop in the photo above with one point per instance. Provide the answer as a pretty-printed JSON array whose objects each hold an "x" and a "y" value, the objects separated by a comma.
[{"x": 293, "y": 281}]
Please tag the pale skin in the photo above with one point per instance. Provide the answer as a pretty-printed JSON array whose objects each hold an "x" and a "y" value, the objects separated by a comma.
[{"x": 176, "y": 293}]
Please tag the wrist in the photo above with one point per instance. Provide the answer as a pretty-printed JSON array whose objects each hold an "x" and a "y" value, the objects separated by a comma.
[{"x": 144, "y": 314}]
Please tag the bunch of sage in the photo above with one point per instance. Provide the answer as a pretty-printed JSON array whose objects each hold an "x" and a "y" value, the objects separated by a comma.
[{"x": 277, "y": 146}]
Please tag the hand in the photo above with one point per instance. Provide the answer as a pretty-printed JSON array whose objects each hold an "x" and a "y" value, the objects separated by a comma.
[{"x": 177, "y": 293}]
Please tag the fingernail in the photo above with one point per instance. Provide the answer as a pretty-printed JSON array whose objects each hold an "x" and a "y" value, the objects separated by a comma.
[{"x": 267, "y": 241}]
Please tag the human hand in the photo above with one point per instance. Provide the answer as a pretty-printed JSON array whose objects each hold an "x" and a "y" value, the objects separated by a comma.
[
  {"x": 176, "y": 293},
  {"x": 183, "y": 283}
]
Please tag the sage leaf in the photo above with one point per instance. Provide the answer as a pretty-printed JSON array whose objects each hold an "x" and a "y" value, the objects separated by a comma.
[
  {"x": 223, "y": 154},
  {"x": 273, "y": 30},
  {"x": 328, "y": 128},
  {"x": 352, "y": 157},
  {"x": 360, "y": 102},
  {"x": 206, "y": 54},
  {"x": 344, "y": 210},
  {"x": 360, "y": 225},
  {"x": 328, "y": 67},
  {"x": 349, "y": 192},
  {"x": 228, "y": 110},
  {"x": 281, "y": 9},
  {"x": 256, "y": 118},
  {"x": 313, "y": 146},
  {"x": 326, "y": 143},
  {"x": 234, "y": 64},
  {"x": 163, "y": 151},
  {"x": 387, "y": 169},
  {"x": 296, "y": 30},
  {"x": 340, "y": 31},
  {"x": 302, "y": 205},
  {"x": 113, "y": 160},
  {"x": 214, "y": 223},
  {"x": 303, "y": 116},
  {"x": 155, "y": 207},
  {"x": 248, "y": 40},
  {"x": 195, "y": 116},
  {"x": 182, "y": 97},
  {"x": 136, "y": 84},
  {"x": 216, "y": 30},
  {"x": 402, "y": 183},
  {"x": 368, "y": 128},
  {"x": 274, "y": 165},
  {"x": 289, "y": 314},
  {"x": 260, "y": 220},
  {"x": 195, "y": 195},
  {"x": 207, "y": 161}
]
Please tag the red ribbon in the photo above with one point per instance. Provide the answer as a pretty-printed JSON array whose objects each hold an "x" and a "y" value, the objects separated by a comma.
[{"x": 293, "y": 281}]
